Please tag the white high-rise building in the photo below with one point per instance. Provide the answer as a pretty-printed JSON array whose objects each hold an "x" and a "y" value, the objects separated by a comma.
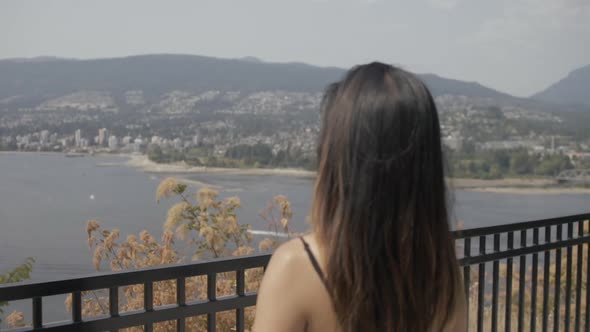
[
  {"x": 113, "y": 142},
  {"x": 177, "y": 143},
  {"x": 137, "y": 143},
  {"x": 103, "y": 137},
  {"x": 78, "y": 138},
  {"x": 156, "y": 140},
  {"x": 53, "y": 138},
  {"x": 44, "y": 137}
]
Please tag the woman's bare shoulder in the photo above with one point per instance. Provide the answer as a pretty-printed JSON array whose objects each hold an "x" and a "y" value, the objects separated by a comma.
[
  {"x": 289, "y": 256},
  {"x": 282, "y": 284}
]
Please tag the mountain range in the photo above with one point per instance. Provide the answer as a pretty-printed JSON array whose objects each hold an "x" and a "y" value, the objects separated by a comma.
[{"x": 48, "y": 77}]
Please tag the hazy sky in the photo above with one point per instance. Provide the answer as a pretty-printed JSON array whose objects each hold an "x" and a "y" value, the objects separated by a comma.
[{"x": 517, "y": 46}]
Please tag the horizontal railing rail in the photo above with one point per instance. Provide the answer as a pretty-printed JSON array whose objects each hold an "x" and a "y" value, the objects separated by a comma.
[{"x": 494, "y": 245}]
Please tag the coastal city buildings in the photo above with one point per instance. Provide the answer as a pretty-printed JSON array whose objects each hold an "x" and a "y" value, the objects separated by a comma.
[{"x": 284, "y": 121}]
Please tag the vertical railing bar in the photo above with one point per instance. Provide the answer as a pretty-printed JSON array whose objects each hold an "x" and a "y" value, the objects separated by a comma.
[
  {"x": 114, "y": 301},
  {"x": 148, "y": 302},
  {"x": 180, "y": 325},
  {"x": 495, "y": 281},
  {"x": 240, "y": 290},
  {"x": 211, "y": 296},
  {"x": 180, "y": 301},
  {"x": 587, "y": 325},
  {"x": 556, "y": 302},
  {"x": 534, "y": 279},
  {"x": 181, "y": 291},
  {"x": 495, "y": 277},
  {"x": 568, "y": 278},
  {"x": 521, "y": 282},
  {"x": 481, "y": 285},
  {"x": 240, "y": 282},
  {"x": 508, "y": 309},
  {"x": 579, "y": 264},
  {"x": 148, "y": 296},
  {"x": 77, "y": 306},
  {"x": 546, "y": 266},
  {"x": 37, "y": 312},
  {"x": 467, "y": 274}
]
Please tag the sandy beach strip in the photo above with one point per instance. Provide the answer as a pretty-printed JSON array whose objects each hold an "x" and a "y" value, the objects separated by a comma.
[
  {"x": 142, "y": 162},
  {"x": 525, "y": 186}
]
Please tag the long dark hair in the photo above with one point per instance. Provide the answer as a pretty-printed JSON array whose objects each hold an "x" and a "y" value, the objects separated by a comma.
[{"x": 380, "y": 205}]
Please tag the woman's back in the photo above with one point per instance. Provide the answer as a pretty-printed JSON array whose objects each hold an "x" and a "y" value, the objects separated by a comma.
[
  {"x": 301, "y": 288},
  {"x": 385, "y": 257}
]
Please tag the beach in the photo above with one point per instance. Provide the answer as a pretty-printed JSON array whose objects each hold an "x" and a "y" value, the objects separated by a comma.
[
  {"x": 525, "y": 186},
  {"x": 142, "y": 162}
]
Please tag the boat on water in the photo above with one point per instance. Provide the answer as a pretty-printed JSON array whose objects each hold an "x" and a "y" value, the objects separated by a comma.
[{"x": 74, "y": 155}]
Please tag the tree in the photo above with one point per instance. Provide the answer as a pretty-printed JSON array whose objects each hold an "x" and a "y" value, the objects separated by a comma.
[
  {"x": 553, "y": 165},
  {"x": 155, "y": 153},
  {"x": 521, "y": 163},
  {"x": 193, "y": 156},
  {"x": 207, "y": 227}
]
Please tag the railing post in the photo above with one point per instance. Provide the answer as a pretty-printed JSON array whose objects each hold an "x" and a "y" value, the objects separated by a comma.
[
  {"x": 211, "y": 296},
  {"x": 77, "y": 307},
  {"x": 508, "y": 309},
  {"x": 568, "y": 278},
  {"x": 556, "y": 304},
  {"x": 240, "y": 291},
  {"x": 521, "y": 282},
  {"x": 534, "y": 279},
  {"x": 114, "y": 301},
  {"x": 180, "y": 301},
  {"x": 546, "y": 269},
  {"x": 467, "y": 274},
  {"x": 37, "y": 312},
  {"x": 481, "y": 285},
  {"x": 495, "y": 281},
  {"x": 148, "y": 303},
  {"x": 579, "y": 265},
  {"x": 587, "y": 325}
]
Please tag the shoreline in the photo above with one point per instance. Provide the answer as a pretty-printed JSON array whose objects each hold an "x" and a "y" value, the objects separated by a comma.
[{"x": 524, "y": 186}]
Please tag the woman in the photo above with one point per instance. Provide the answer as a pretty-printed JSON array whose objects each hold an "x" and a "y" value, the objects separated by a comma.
[{"x": 381, "y": 256}]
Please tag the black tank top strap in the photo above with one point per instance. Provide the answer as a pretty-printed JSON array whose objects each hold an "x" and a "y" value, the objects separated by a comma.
[{"x": 314, "y": 262}]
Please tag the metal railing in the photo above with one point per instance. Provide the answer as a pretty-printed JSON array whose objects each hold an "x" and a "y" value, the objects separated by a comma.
[
  {"x": 537, "y": 244},
  {"x": 36, "y": 291},
  {"x": 481, "y": 247}
]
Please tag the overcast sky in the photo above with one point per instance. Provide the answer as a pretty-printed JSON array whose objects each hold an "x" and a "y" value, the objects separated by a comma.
[{"x": 516, "y": 46}]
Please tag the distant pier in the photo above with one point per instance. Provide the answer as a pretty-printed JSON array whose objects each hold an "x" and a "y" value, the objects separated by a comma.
[{"x": 574, "y": 176}]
